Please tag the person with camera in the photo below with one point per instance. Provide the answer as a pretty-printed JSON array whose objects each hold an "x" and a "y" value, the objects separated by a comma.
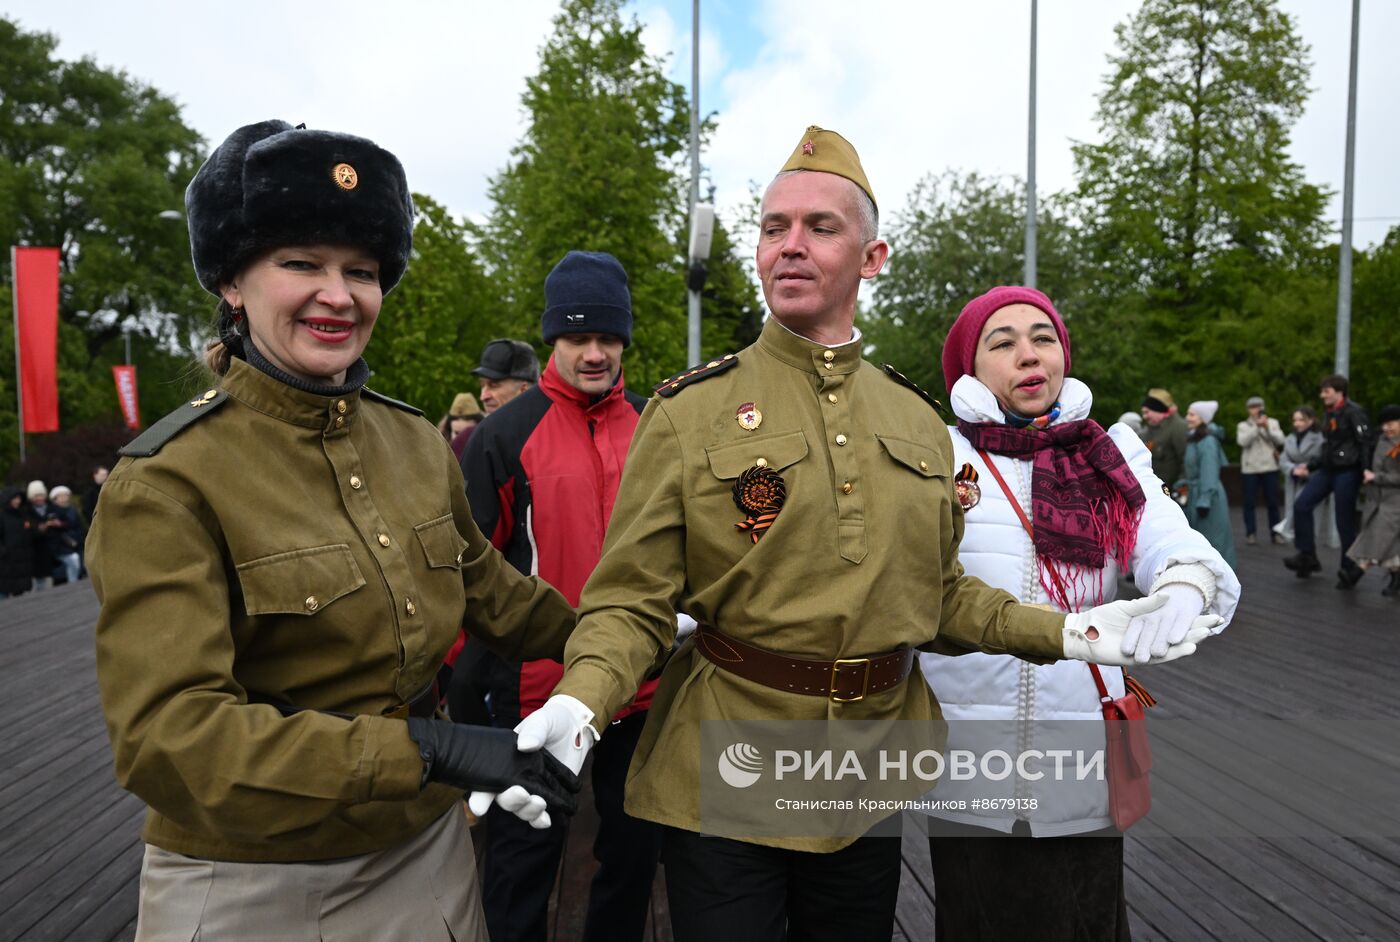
[{"x": 1260, "y": 439}]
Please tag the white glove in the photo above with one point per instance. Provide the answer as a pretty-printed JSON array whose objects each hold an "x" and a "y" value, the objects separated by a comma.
[
  {"x": 1150, "y": 635},
  {"x": 1098, "y": 635},
  {"x": 563, "y": 726},
  {"x": 685, "y": 626}
]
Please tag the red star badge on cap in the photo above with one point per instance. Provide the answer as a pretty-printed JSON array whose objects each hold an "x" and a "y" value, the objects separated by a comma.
[{"x": 808, "y": 149}]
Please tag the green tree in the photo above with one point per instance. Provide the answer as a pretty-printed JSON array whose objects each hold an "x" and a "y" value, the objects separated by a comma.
[
  {"x": 436, "y": 321},
  {"x": 89, "y": 159},
  {"x": 958, "y": 236},
  {"x": 1197, "y": 220},
  {"x": 597, "y": 169},
  {"x": 1375, "y": 349}
]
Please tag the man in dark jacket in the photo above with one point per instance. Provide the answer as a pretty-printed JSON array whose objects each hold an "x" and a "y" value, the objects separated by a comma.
[
  {"x": 1336, "y": 471},
  {"x": 542, "y": 473},
  {"x": 1165, "y": 437},
  {"x": 17, "y": 538}
]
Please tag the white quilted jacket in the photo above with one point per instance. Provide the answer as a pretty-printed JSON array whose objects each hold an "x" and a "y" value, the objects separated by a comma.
[{"x": 997, "y": 550}]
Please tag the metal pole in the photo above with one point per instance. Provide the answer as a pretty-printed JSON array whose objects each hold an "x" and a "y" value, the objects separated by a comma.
[
  {"x": 1343, "y": 364},
  {"x": 19, "y": 378},
  {"x": 693, "y": 319},
  {"x": 126, "y": 341},
  {"x": 1030, "y": 167}
]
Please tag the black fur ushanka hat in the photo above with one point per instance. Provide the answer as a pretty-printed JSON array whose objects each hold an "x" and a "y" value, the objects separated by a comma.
[{"x": 270, "y": 184}]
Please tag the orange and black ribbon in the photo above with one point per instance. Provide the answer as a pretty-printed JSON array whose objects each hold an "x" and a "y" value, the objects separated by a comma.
[{"x": 759, "y": 493}]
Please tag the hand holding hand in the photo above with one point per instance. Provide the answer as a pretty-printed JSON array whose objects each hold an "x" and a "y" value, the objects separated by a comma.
[
  {"x": 483, "y": 758},
  {"x": 1152, "y": 634},
  {"x": 1099, "y": 635},
  {"x": 562, "y": 728}
]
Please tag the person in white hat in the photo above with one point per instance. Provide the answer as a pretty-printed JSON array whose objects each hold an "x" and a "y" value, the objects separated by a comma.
[{"x": 1206, "y": 505}]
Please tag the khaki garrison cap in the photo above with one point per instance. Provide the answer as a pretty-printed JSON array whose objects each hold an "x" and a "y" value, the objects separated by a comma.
[{"x": 829, "y": 152}]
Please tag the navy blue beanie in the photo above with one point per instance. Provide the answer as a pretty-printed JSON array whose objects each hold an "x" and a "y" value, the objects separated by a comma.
[{"x": 586, "y": 293}]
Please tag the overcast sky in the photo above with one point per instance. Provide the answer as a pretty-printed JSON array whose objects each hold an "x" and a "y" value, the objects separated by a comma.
[{"x": 918, "y": 87}]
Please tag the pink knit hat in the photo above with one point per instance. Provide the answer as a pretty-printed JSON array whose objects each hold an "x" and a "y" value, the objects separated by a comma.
[{"x": 960, "y": 349}]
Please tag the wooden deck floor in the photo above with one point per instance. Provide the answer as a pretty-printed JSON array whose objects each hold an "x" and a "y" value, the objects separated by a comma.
[{"x": 70, "y": 854}]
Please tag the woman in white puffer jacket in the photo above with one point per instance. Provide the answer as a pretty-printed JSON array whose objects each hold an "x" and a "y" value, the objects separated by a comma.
[{"x": 1097, "y": 509}]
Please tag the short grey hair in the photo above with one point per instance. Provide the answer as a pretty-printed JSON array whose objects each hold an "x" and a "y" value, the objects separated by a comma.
[{"x": 868, "y": 215}]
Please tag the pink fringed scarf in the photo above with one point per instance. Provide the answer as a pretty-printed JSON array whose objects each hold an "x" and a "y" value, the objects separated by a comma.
[{"x": 1086, "y": 503}]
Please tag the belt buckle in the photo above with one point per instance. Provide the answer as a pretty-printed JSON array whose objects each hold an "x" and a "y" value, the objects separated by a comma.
[{"x": 836, "y": 666}]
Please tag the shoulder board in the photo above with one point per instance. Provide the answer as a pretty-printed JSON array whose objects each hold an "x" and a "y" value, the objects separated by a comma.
[
  {"x": 154, "y": 438},
  {"x": 908, "y": 383},
  {"x": 367, "y": 393},
  {"x": 695, "y": 374}
]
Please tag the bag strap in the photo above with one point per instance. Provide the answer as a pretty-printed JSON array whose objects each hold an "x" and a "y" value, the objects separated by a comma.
[{"x": 1133, "y": 686}]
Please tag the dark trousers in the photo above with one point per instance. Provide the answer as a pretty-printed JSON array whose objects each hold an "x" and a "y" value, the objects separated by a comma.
[
  {"x": 1268, "y": 480},
  {"x": 522, "y": 862},
  {"x": 989, "y": 887},
  {"x": 722, "y": 890},
  {"x": 1343, "y": 485}
]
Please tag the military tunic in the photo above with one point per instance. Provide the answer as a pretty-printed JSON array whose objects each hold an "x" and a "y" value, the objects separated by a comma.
[
  {"x": 298, "y": 549},
  {"x": 1167, "y": 442},
  {"x": 861, "y": 559}
]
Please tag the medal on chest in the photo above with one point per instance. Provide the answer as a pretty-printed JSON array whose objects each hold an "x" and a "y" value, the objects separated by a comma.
[
  {"x": 760, "y": 493},
  {"x": 748, "y": 416},
  {"x": 968, "y": 490}
]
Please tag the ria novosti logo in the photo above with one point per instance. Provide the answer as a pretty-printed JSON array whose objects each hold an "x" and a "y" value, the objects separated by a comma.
[{"x": 740, "y": 765}]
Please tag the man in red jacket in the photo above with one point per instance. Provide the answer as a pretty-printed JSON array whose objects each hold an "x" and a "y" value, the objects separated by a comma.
[{"x": 542, "y": 474}]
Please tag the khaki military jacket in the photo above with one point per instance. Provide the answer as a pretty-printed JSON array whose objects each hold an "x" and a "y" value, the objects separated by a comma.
[
  {"x": 1167, "y": 442},
  {"x": 861, "y": 560},
  {"x": 304, "y": 550}
]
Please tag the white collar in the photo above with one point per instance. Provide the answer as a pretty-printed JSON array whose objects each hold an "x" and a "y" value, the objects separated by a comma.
[
  {"x": 855, "y": 336},
  {"x": 973, "y": 402}
]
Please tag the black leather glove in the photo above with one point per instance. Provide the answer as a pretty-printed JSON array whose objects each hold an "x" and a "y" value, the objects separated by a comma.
[
  {"x": 1203, "y": 512},
  {"x": 479, "y": 758}
]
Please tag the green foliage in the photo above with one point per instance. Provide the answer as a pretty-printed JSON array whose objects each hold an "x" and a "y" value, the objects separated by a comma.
[
  {"x": 1200, "y": 255},
  {"x": 88, "y": 159},
  {"x": 433, "y": 326},
  {"x": 959, "y": 235},
  {"x": 1375, "y": 313},
  {"x": 598, "y": 169}
]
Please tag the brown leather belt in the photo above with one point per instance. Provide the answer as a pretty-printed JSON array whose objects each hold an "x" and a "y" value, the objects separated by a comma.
[{"x": 844, "y": 680}]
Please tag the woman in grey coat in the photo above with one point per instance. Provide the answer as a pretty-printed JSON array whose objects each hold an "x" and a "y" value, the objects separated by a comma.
[
  {"x": 1299, "y": 448},
  {"x": 1379, "y": 541}
]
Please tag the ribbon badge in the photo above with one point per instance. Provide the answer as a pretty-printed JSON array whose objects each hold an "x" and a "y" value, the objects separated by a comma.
[
  {"x": 760, "y": 494},
  {"x": 968, "y": 490}
]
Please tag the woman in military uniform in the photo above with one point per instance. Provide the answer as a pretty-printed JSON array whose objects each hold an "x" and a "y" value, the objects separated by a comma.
[{"x": 282, "y": 564}]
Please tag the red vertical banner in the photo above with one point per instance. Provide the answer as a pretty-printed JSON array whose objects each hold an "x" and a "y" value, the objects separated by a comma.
[
  {"x": 125, "y": 378},
  {"x": 36, "y": 335}
]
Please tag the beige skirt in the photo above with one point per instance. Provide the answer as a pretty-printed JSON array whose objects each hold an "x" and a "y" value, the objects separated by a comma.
[{"x": 423, "y": 889}]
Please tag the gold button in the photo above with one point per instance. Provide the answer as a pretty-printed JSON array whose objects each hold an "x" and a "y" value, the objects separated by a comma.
[
  {"x": 827, "y": 365},
  {"x": 459, "y": 557},
  {"x": 383, "y": 540},
  {"x": 409, "y": 607},
  {"x": 831, "y": 398},
  {"x": 355, "y": 481},
  {"x": 312, "y": 604},
  {"x": 828, "y": 356},
  {"x": 340, "y": 421},
  {"x": 340, "y": 406},
  {"x": 840, "y": 439},
  {"x": 847, "y": 487},
  {"x": 762, "y": 462},
  {"x": 923, "y": 465}
]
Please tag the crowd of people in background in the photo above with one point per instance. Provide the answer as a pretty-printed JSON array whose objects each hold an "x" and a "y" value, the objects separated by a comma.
[
  {"x": 41, "y": 534},
  {"x": 1331, "y": 478}
]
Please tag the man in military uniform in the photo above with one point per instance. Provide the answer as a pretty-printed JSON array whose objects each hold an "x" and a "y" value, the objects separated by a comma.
[
  {"x": 842, "y": 560},
  {"x": 1165, "y": 437}
]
